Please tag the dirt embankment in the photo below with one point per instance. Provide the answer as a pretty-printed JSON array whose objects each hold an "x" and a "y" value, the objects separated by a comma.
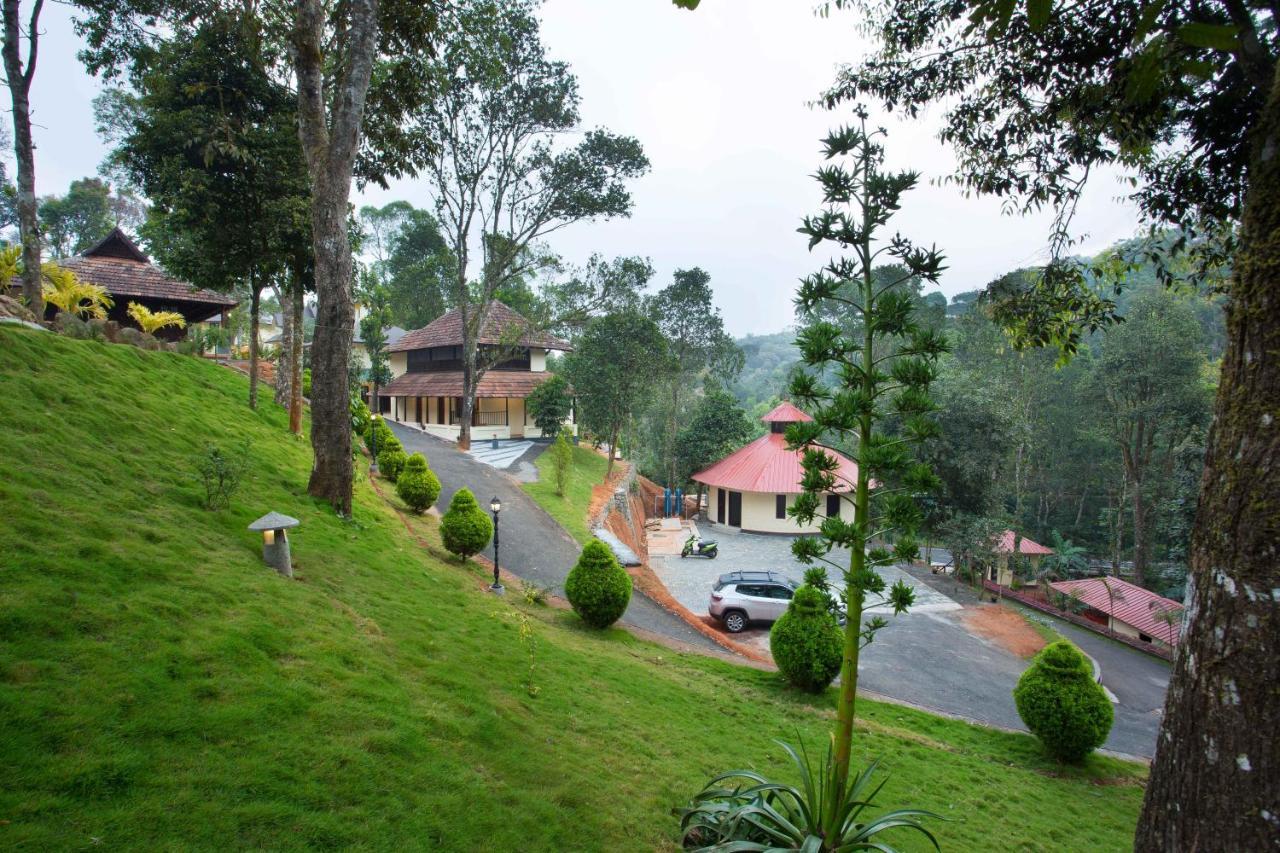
[{"x": 1004, "y": 626}]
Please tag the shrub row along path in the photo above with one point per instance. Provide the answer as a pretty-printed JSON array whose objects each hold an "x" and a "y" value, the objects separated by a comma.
[{"x": 532, "y": 545}]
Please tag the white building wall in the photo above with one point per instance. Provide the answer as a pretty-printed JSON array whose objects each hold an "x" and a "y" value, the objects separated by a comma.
[
  {"x": 399, "y": 362},
  {"x": 537, "y": 360},
  {"x": 759, "y": 513}
]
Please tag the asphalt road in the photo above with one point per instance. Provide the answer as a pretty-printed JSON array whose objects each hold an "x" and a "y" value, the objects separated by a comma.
[{"x": 531, "y": 544}]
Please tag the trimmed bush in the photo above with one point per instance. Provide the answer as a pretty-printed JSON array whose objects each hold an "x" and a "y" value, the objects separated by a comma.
[
  {"x": 386, "y": 438},
  {"x": 360, "y": 416},
  {"x": 806, "y": 642},
  {"x": 1061, "y": 703},
  {"x": 598, "y": 587},
  {"x": 562, "y": 461},
  {"x": 465, "y": 528},
  {"x": 391, "y": 461},
  {"x": 417, "y": 485}
]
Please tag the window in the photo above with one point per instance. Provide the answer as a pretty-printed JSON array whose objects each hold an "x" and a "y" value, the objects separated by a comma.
[
  {"x": 780, "y": 506},
  {"x": 751, "y": 590},
  {"x": 779, "y": 592},
  {"x": 833, "y": 506}
]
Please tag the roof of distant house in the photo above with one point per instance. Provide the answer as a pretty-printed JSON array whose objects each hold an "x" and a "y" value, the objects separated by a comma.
[
  {"x": 1004, "y": 545},
  {"x": 116, "y": 263},
  {"x": 1126, "y": 601},
  {"x": 766, "y": 465},
  {"x": 502, "y": 326},
  {"x": 448, "y": 383}
]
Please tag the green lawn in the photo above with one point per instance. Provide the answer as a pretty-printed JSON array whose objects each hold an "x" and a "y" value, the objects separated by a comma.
[
  {"x": 161, "y": 689},
  {"x": 571, "y": 509}
]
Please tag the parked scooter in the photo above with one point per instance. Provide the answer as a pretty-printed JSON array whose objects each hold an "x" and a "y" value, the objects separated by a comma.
[{"x": 696, "y": 547}]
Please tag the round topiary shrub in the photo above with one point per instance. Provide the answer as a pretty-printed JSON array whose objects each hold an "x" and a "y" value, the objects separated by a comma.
[
  {"x": 417, "y": 485},
  {"x": 1061, "y": 703},
  {"x": 465, "y": 528},
  {"x": 390, "y": 461},
  {"x": 806, "y": 642},
  {"x": 598, "y": 587}
]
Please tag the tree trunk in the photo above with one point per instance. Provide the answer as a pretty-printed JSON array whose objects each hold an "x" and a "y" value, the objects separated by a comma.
[
  {"x": 295, "y": 360},
  {"x": 330, "y": 115},
  {"x": 613, "y": 448},
  {"x": 19, "y": 90},
  {"x": 255, "y": 304},
  {"x": 1139, "y": 533},
  {"x": 468, "y": 404},
  {"x": 284, "y": 370},
  {"x": 1213, "y": 782}
]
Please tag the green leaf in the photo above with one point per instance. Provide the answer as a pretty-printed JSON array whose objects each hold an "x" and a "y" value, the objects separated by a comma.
[
  {"x": 1212, "y": 36},
  {"x": 1038, "y": 13},
  {"x": 687, "y": 4},
  {"x": 1148, "y": 19}
]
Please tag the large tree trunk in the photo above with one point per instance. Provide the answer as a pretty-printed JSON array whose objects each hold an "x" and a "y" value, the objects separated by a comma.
[
  {"x": 329, "y": 126},
  {"x": 295, "y": 360},
  {"x": 468, "y": 403},
  {"x": 19, "y": 90},
  {"x": 1214, "y": 779},
  {"x": 255, "y": 305}
]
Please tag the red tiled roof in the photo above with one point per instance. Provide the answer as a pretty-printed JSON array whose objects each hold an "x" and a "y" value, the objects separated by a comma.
[
  {"x": 1005, "y": 545},
  {"x": 448, "y": 383},
  {"x": 1133, "y": 605},
  {"x": 766, "y": 465},
  {"x": 446, "y": 331},
  {"x": 785, "y": 413},
  {"x": 117, "y": 264}
]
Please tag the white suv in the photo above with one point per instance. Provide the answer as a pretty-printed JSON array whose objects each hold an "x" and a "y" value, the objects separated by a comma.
[{"x": 742, "y": 597}]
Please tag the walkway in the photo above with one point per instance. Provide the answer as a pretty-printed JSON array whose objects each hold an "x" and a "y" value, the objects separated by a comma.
[{"x": 531, "y": 543}]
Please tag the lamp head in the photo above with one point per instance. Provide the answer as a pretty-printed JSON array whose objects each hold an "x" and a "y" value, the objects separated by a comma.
[{"x": 495, "y": 505}]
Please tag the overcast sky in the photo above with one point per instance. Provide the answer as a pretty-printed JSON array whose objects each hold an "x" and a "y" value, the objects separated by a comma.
[{"x": 718, "y": 99}]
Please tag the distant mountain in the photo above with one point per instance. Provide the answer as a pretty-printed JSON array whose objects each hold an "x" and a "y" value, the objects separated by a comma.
[{"x": 769, "y": 360}]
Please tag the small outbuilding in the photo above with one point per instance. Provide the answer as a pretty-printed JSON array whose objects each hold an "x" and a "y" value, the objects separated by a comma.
[
  {"x": 753, "y": 487},
  {"x": 1008, "y": 545},
  {"x": 1127, "y": 609}
]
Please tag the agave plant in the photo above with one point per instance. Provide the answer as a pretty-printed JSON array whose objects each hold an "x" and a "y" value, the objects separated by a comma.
[
  {"x": 152, "y": 321},
  {"x": 81, "y": 298},
  {"x": 743, "y": 811}
]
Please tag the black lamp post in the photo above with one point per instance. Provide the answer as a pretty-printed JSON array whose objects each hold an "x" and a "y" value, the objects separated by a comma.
[
  {"x": 496, "y": 506},
  {"x": 373, "y": 443}
]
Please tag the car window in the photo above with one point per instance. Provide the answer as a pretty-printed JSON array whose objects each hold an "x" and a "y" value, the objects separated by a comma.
[
  {"x": 750, "y": 589},
  {"x": 781, "y": 592}
]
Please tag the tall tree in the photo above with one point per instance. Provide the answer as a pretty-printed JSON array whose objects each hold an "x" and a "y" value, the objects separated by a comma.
[
  {"x": 696, "y": 342},
  {"x": 75, "y": 221},
  {"x": 1149, "y": 381},
  {"x": 716, "y": 427},
  {"x": 612, "y": 370},
  {"x": 1035, "y": 101},
  {"x": 18, "y": 76},
  {"x": 501, "y": 182},
  {"x": 418, "y": 271}
]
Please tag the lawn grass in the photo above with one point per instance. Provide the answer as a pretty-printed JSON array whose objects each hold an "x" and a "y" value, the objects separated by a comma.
[
  {"x": 161, "y": 689},
  {"x": 570, "y": 510}
]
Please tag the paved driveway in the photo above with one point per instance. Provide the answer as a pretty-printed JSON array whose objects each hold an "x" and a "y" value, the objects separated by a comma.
[{"x": 532, "y": 544}]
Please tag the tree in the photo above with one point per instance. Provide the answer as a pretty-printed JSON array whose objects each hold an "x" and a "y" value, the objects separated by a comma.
[
  {"x": 1149, "y": 381},
  {"x": 612, "y": 369},
  {"x": 77, "y": 220},
  {"x": 417, "y": 271},
  {"x": 501, "y": 183},
  {"x": 562, "y": 461},
  {"x": 375, "y": 344},
  {"x": 18, "y": 76},
  {"x": 696, "y": 342},
  {"x": 1035, "y": 101},
  {"x": 717, "y": 427},
  {"x": 550, "y": 405}
]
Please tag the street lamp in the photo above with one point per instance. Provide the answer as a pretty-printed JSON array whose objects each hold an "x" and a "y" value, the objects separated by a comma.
[
  {"x": 373, "y": 444},
  {"x": 496, "y": 506}
]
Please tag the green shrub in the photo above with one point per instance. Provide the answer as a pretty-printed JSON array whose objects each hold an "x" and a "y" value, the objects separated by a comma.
[
  {"x": 391, "y": 461},
  {"x": 806, "y": 642},
  {"x": 220, "y": 473},
  {"x": 360, "y": 416},
  {"x": 417, "y": 485},
  {"x": 306, "y": 383},
  {"x": 562, "y": 460},
  {"x": 385, "y": 437},
  {"x": 465, "y": 528},
  {"x": 1061, "y": 704},
  {"x": 598, "y": 587}
]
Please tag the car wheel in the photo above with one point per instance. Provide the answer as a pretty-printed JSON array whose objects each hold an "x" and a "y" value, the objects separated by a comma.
[{"x": 735, "y": 621}]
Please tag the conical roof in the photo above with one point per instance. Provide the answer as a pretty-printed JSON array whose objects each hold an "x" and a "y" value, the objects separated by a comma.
[{"x": 785, "y": 413}]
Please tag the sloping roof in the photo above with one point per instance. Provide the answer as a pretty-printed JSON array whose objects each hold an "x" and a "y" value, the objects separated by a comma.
[
  {"x": 1004, "y": 545},
  {"x": 446, "y": 331},
  {"x": 785, "y": 413},
  {"x": 766, "y": 465},
  {"x": 117, "y": 264},
  {"x": 448, "y": 383},
  {"x": 1132, "y": 605}
]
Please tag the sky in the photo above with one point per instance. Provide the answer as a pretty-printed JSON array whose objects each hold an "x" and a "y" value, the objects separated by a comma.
[{"x": 719, "y": 99}]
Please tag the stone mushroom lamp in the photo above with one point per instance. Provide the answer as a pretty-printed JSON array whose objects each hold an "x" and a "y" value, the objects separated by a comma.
[{"x": 275, "y": 541}]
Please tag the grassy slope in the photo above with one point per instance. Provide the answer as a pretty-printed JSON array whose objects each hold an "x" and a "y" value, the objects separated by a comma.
[
  {"x": 160, "y": 688},
  {"x": 571, "y": 509}
]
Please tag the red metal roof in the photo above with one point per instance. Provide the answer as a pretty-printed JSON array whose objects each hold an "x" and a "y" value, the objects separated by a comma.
[
  {"x": 448, "y": 383},
  {"x": 500, "y": 327},
  {"x": 1127, "y": 602},
  {"x": 1025, "y": 546},
  {"x": 785, "y": 413},
  {"x": 766, "y": 465}
]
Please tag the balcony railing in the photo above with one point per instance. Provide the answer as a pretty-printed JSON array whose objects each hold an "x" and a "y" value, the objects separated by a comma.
[{"x": 481, "y": 419}]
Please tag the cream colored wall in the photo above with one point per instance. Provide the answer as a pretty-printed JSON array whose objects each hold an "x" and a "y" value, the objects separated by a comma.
[
  {"x": 759, "y": 512},
  {"x": 517, "y": 419},
  {"x": 537, "y": 360},
  {"x": 399, "y": 363}
]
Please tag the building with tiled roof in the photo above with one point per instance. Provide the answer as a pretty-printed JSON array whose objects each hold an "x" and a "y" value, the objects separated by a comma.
[
  {"x": 426, "y": 366},
  {"x": 1127, "y": 609},
  {"x": 1006, "y": 545},
  {"x": 753, "y": 487},
  {"x": 116, "y": 263}
]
